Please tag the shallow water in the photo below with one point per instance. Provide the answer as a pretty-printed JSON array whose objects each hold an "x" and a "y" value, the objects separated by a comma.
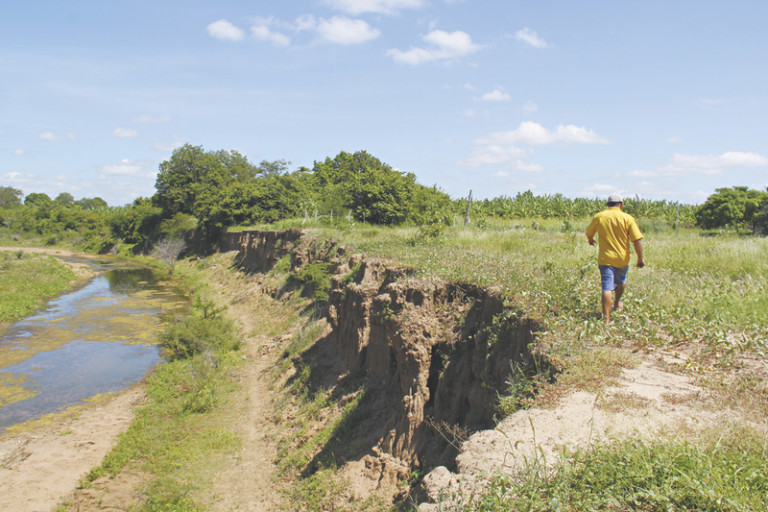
[{"x": 97, "y": 339}]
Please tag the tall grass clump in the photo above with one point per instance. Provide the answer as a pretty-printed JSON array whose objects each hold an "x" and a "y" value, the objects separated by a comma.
[{"x": 724, "y": 472}]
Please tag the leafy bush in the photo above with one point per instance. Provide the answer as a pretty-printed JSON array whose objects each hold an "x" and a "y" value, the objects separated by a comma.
[
  {"x": 316, "y": 277},
  {"x": 730, "y": 207},
  {"x": 205, "y": 331}
]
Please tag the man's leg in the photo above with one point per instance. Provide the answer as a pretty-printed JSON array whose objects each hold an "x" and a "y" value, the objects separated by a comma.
[
  {"x": 619, "y": 291},
  {"x": 606, "y": 303},
  {"x": 608, "y": 284},
  {"x": 620, "y": 278}
]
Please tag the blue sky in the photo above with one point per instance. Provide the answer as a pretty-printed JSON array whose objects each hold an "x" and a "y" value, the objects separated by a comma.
[{"x": 659, "y": 99}]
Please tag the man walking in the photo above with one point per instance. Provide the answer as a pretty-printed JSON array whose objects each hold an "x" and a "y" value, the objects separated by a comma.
[{"x": 615, "y": 229}]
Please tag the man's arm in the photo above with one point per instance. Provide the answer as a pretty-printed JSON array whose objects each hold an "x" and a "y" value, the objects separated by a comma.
[
  {"x": 639, "y": 251},
  {"x": 591, "y": 230}
]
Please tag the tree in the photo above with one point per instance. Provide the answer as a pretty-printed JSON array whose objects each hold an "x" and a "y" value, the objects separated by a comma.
[
  {"x": 730, "y": 207},
  {"x": 761, "y": 217},
  {"x": 190, "y": 171},
  {"x": 95, "y": 203},
  {"x": 138, "y": 223},
  {"x": 276, "y": 167},
  {"x": 217, "y": 188},
  {"x": 381, "y": 195},
  {"x": 169, "y": 249},
  {"x": 10, "y": 197},
  {"x": 64, "y": 198},
  {"x": 178, "y": 225},
  {"x": 38, "y": 200}
]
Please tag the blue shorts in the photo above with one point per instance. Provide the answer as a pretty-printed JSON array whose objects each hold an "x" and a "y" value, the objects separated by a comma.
[{"x": 611, "y": 276}]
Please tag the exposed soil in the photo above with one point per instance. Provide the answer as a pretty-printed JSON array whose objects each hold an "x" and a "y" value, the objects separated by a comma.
[{"x": 41, "y": 467}]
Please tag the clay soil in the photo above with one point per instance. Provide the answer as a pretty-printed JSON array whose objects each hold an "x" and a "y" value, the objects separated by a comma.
[{"x": 42, "y": 467}]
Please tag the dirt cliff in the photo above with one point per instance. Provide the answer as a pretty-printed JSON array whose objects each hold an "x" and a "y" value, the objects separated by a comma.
[{"x": 431, "y": 356}]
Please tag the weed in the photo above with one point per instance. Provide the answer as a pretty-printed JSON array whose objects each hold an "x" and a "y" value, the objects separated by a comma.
[
  {"x": 316, "y": 277},
  {"x": 721, "y": 473}
]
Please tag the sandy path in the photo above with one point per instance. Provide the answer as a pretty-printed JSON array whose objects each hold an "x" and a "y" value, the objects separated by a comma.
[
  {"x": 41, "y": 467},
  {"x": 250, "y": 482}
]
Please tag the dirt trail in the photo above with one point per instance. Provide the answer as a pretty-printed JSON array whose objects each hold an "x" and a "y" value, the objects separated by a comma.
[{"x": 251, "y": 482}]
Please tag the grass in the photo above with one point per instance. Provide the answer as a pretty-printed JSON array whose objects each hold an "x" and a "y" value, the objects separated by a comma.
[
  {"x": 182, "y": 437},
  {"x": 711, "y": 292},
  {"x": 695, "y": 288},
  {"x": 721, "y": 472},
  {"x": 705, "y": 292},
  {"x": 27, "y": 281}
]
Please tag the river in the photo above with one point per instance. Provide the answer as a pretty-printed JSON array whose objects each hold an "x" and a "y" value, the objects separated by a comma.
[{"x": 97, "y": 339}]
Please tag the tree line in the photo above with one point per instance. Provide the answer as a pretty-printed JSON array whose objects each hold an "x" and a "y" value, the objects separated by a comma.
[{"x": 207, "y": 192}]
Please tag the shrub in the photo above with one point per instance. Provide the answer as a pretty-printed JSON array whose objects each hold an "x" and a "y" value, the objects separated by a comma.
[{"x": 316, "y": 277}]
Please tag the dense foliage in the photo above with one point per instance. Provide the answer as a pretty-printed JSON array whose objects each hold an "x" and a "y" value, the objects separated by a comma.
[
  {"x": 738, "y": 207},
  {"x": 526, "y": 205},
  {"x": 203, "y": 193}
]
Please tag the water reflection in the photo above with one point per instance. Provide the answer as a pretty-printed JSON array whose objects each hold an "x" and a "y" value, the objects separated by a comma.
[{"x": 94, "y": 340}]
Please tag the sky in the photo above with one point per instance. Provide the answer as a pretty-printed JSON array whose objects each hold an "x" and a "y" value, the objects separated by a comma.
[{"x": 663, "y": 100}]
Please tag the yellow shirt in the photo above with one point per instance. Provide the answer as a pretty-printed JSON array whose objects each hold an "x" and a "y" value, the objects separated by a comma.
[{"x": 615, "y": 230}]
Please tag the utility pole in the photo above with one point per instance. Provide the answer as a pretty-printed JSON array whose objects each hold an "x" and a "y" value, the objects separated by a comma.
[{"x": 469, "y": 204}]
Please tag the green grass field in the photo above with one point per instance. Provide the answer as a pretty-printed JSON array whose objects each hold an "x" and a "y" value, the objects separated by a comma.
[
  {"x": 710, "y": 292},
  {"x": 711, "y": 289},
  {"x": 27, "y": 281}
]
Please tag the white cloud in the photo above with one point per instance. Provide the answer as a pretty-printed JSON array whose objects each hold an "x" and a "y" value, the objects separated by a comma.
[
  {"x": 263, "y": 32},
  {"x": 54, "y": 136},
  {"x": 338, "y": 30},
  {"x": 223, "y": 29},
  {"x": 442, "y": 46},
  {"x": 19, "y": 152},
  {"x": 640, "y": 173},
  {"x": 125, "y": 133},
  {"x": 128, "y": 168},
  {"x": 712, "y": 164},
  {"x": 168, "y": 147},
  {"x": 13, "y": 177},
  {"x": 600, "y": 190},
  {"x": 530, "y": 106},
  {"x": 375, "y": 6},
  {"x": 495, "y": 95},
  {"x": 504, "y": 147},
  {"x": 530, "y": 38},
  {"x": 486, "y": 153},
  {"x": 674, "y": 140},
  {"x": 342, "y": 30},
  {"x": 152, "y": 119},
  {"x": 535, "y": 134}
]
